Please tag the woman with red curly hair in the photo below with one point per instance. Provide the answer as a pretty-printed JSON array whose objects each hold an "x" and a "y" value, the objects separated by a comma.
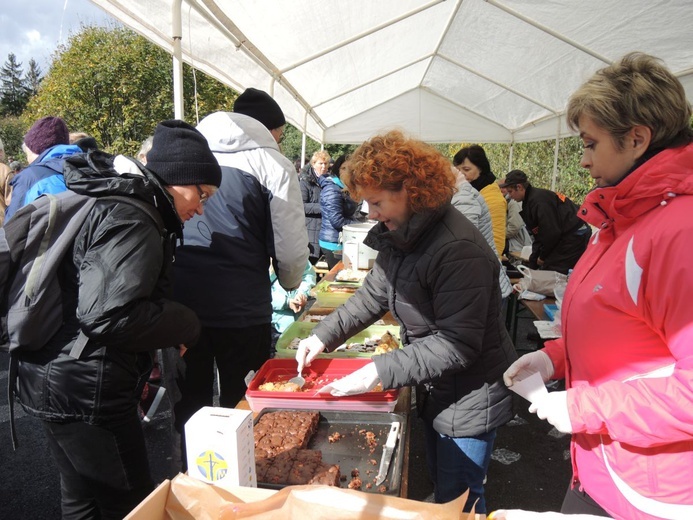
[{"x": 439, "y": 277}]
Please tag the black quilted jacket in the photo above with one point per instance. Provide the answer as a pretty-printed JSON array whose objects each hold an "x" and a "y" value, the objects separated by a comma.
[{"x": 439, "y": 278}]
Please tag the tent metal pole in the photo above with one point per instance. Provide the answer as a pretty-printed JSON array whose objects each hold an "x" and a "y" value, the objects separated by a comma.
[
  {"x": 303, "y": 139},
  {"x": 177, "y": 29},
  {"x": 510, "y": 156},
  {"x": 555, "y": 155}
]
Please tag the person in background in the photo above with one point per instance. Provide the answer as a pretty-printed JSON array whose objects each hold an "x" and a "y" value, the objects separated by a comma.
[
  {"x": 626, "y": 351},
  {"x": 46, "y": 146},
  {"x": 516, "y": 234},
  {"x": 472, "y": 162},
  {"x": 310, "y": 193},
  {"x": 116, "y": 291},
  {"x": 86, "y": 142},
  {"x": 471, "y": 204},
  {"x": 560, "y": 237},
  {"x": 338, "y": 209},
  {"x": 144, "y": 150},
  {"x": 6, "y": 175},
  {"x": 222, "y": 270},
  {"x": 288, "y": 305},
  {"x": 438, "y": 277}
]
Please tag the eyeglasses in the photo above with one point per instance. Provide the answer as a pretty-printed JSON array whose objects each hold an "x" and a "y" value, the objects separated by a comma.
[{"x": 203, "y": 196}]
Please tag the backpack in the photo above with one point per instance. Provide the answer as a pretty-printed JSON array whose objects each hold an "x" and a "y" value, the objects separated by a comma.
[{"x": 33, "y": 245}]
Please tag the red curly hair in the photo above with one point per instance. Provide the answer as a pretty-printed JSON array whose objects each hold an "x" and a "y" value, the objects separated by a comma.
[{"x": 392, "y": 162}]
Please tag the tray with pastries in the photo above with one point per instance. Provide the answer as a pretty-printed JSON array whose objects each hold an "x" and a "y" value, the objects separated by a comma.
[
  {"x": 333, "y": 448},
  {"x": 376, "y": 339}
]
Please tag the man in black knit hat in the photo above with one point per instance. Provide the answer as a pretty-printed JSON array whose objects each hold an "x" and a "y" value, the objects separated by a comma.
[
  {"x": 222, "y": 272},
  {"x": 117, "y": 293}
]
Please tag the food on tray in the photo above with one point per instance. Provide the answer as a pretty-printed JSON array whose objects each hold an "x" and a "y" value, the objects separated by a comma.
[
  {"x": 334, "y": 437},
  {"x": 375, "y": 344},
  {"x": 279, "y": 386},
  {"x": 355, "y": 483},
  {"x": 351, "y": 275},
  {"x": 341, "y": 288},
  {"x": 281, "y": 456}
]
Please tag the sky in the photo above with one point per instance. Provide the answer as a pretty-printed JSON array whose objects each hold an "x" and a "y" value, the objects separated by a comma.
[{"x": 35, "y": 28}]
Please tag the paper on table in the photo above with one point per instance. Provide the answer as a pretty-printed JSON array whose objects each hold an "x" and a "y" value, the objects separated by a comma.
[{"x": 531, "y": 388}]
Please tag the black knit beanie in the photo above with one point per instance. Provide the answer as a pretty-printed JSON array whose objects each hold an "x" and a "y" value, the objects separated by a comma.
[
  {"x": 180, "y": 156},
  {"x": 259, "y": 105}
]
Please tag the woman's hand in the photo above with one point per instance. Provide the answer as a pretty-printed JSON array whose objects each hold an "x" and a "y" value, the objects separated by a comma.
[
  {"x": 297, "y": 303},
  {"x": 527, "y": 365},
  {"x": 554, "y": 409},
  {"x": 359, "y": 382},
  {"x": 308, "y": 349}
]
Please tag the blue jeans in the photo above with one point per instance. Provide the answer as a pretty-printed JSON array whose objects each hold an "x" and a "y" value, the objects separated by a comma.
[{"x": 457, "y": 464}]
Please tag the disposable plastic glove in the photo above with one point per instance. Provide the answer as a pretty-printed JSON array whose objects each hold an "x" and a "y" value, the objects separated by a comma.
[
  {"x": 554, "y": 408},
  {"x": 520, "y": 514},
  {"x": 359, "y": 382},
  {"x": 527, "y": 365},
  {"x": 308, "y": 349}
]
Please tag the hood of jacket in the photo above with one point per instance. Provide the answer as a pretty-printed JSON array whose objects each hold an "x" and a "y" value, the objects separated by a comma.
[
  {"x": 99, "y": 174},
  {"x": 666, "y": 175},
  {"x": 228, "y": 132},
  {"x": 407, "y": 237}
]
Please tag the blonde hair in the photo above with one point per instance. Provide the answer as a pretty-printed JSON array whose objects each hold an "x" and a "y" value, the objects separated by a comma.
[
  {"x": 637, "y": 90},
  {"x": 392, "y": 162},
  {"x": 320, "y": 154}
]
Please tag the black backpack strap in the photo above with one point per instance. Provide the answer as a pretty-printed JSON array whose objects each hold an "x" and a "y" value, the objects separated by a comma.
[{"x": 11, "y": 385}]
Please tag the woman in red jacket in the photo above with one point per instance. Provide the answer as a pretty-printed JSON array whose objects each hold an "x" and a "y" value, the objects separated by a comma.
[{"x": 626, "y": 351}]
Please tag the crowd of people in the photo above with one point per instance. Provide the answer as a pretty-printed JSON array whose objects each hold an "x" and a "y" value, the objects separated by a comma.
[{"x": 246, "y": 229}]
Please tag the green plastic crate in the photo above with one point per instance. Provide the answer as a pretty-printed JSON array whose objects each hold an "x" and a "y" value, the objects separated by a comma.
[{"x": 303, "y": 329}]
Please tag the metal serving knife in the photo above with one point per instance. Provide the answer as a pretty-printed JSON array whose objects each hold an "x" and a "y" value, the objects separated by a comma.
[{"x": 388, "y": 450}]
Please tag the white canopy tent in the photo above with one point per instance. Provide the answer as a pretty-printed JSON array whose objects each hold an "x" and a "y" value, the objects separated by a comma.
[{"x": 442, "y": 70}]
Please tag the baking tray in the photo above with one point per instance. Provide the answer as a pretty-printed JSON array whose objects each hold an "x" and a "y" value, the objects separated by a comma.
[
  {"x": 303, "y": 329},
  {"x": 320, "y": 372},
  {"x": 351, "y": 452}
]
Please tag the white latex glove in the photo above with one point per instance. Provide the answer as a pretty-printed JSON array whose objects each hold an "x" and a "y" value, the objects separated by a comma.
[
  {"x": 520, "y": 514},
  {"x": 554, "y": 408},
  {"x": 359, "y": 382},
  {"x": 527, "y": 365},
  {"x": 308, "y": 349}
]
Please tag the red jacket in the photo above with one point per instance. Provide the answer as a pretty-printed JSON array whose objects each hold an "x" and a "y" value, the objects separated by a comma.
[{"x": 627, "y": 346}]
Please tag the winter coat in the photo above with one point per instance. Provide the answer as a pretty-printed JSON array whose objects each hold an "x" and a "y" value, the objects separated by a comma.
[
  {"x": 337, "y": 207},
  {"x": 439, "y": 278},
  {"x": 627, "y": 346},
  {"x": 471, "y": 204},
  {"x": 498, "y": 209},
  {"x": 310, "y": 193},
  {"x": 255, "y": 216},
  {"x": 560, "y": 237},
  {"x": 116, "y": 290},
  {"x": 44, "y": 175},
  {"x": 6, "y": 177}
]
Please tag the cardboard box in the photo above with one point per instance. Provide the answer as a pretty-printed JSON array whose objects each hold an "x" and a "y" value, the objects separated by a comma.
[{"x": 220, "y": 447}]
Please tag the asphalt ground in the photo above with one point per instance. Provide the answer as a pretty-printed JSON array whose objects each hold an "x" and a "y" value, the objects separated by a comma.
[{"x": 530, "y": 466}]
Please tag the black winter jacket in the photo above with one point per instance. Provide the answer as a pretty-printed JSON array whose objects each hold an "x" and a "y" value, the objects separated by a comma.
[
  {"x": 310, "y": 193},
  {"x": 338, "y": 209},
  {"x": 116, "y": 289},
  {"x": 560, "y": 237},
  {"x": 439, "y": 278}
]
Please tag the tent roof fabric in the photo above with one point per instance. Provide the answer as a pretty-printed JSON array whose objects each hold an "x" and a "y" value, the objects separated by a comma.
[{"x": 441, "y": 70}]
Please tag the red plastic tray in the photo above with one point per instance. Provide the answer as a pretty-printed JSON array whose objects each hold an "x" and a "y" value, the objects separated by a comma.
[{"x": 320, "y": 373}]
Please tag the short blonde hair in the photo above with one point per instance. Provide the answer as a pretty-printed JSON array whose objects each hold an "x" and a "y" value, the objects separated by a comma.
[
  {"x": 320, "y": 154},
  {"x": 392, "y": 162},
  {"x": 637, "y": 90}
]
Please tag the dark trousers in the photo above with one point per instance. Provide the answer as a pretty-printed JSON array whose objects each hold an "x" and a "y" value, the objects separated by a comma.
[
  {"x": 330, "y": 257},
  {"x": 236, "y": 352},
  {"x": 578, "y": 502},
  {"x": 104, "y": 470}
]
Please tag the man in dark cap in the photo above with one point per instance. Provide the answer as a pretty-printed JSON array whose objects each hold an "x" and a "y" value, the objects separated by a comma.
[
  {"x": 46, "y": 146},
  {"x": 116, "y": 292},
  {"x": 222, "y": 272},
  {"x": 560, "y": 237}
]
